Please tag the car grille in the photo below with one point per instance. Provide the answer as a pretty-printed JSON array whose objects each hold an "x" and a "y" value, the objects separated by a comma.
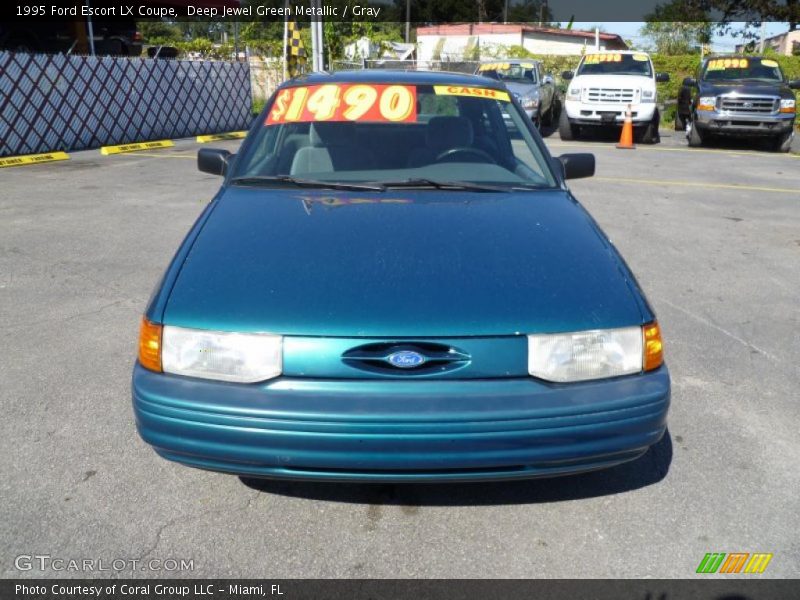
[
  {"x": 749, "y": 105},
  {"x": 610, "y": 95}
]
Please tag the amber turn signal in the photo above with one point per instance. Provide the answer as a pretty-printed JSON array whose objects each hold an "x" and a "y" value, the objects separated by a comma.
[
  {"x": 653, "y": 347},
  {"x": 150, "y": 345}
]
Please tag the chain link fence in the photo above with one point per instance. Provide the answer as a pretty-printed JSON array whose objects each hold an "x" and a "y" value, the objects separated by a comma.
[{"x": 72, "y": 102}]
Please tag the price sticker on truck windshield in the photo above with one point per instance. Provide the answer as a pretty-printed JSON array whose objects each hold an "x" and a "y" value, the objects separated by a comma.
[
  {"x": 349, "y": 102},
  {"x": 720, "y": 64},
  {"x": 595, "y": 59}
]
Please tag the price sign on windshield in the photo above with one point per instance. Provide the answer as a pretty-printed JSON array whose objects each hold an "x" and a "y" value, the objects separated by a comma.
[{"x": 346, "y": 102}]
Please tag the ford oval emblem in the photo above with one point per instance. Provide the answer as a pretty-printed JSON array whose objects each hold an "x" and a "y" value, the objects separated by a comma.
[{"x": 406, "y": 359}]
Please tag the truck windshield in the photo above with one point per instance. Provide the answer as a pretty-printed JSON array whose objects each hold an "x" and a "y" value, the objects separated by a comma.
[
  {"x": 509, "y": 72},
  {"x": 614, "y": 63},
  {"x": 732, "y": 69}
]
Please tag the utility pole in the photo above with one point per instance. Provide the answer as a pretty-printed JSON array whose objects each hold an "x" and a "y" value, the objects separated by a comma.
[
  {"x": 762, "y": 37},
  {"x": 408, "y": 21}
]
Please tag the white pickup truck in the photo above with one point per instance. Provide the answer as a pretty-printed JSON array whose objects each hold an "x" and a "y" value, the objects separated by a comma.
[{"x": 601, "y": 89}]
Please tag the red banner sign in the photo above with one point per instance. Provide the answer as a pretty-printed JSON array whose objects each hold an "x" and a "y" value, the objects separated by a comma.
[{"x": 344, "y": 102}]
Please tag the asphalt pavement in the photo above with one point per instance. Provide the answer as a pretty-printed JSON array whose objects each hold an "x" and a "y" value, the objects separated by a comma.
[{"x": 714, "y": 238}]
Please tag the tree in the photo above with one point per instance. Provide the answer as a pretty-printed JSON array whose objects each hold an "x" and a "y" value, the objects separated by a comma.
[
  {"x": 671, "y": 37},
  {"x": 725, "y": 17}
]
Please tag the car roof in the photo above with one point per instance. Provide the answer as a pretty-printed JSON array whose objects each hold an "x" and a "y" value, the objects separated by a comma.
[{"x": 386, "y": 76}]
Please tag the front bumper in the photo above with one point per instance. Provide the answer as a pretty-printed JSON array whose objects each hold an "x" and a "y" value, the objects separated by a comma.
[
  {"x": 394, "y": 430},
  {"x": 583, "y": 113},
  {"x": 725, "y": 123}
]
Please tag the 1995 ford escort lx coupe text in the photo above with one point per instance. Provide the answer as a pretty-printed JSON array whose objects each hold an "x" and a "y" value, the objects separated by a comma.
[{"x": 394, "y": 283}]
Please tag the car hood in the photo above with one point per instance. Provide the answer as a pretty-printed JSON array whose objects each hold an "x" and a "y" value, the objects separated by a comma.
[
  {"x": 745, "y": 89},
  {"x": 401, "y": 264},
  {"x": 523, "y": 89}
]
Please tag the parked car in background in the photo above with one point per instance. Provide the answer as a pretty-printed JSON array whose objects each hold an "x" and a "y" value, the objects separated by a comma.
[
  {"x": 604, "y": 86},
  {"x": 394, "y": 283},
  {"x": 534, "y": 90},
  {"x": 738, "y": 96}
]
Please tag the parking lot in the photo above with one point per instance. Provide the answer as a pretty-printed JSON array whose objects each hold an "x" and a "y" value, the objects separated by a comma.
[{"x": 714, "y": 238}]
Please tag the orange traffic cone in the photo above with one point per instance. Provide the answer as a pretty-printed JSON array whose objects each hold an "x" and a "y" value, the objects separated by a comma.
[{"x": 626, "y": 139}]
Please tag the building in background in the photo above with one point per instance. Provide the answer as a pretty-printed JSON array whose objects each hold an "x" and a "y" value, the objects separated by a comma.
[
  {"x": 787, "y": 44},
  {"x": 472, "y": 41}
]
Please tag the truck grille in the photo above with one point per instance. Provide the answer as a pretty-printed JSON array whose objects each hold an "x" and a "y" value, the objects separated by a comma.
[
  {"x": 749, "y": 105},
  {"x": 610, "y": 95}
]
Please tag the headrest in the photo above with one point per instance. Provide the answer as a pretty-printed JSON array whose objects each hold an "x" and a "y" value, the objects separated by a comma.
[{"x": 444, "y": 133}]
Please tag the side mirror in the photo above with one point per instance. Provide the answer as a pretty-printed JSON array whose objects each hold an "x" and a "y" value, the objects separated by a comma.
[
  {"x": 662, "y": 77},
  {"x": 689, "y": 82},
  {"x": 795, "y": 85},
  {"x": 213, "y": 160},
  {"x": 547, "y": 80},
  {"x": 575, "y": 166},
  {"x": 566, "y": 75}
]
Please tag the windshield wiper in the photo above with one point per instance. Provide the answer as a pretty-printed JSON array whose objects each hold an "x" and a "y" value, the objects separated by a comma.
[
  {"x": 311, "y": 183},
  {"x": 445, "y": 185}
]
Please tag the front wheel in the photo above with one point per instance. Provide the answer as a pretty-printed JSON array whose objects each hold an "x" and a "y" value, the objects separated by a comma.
[
  {"x": 566, "y": 130},
  {"x": 694, "y": 136},
  {"x": 650, "y": 134},
  {"x": 783, "y": 142}
]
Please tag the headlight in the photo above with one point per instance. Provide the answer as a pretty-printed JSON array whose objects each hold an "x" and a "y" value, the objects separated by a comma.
[
  {"x": 706, "y": 103},
  {"x": 788, "y": 105},
  {"x": 239, "y": 357},
  {"x": 594, "y": 354},
  {"x": 648, "y": 96},
  {"x": 529, "y": 102},
  {"x": 574, "y": 93}
]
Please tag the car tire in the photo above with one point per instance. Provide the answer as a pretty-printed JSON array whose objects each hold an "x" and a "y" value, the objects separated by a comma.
[
  {"x": 549, "y": 117},
  {"x": 650, "y": 134},
  {"x": 680, "y": 122},
  {"x": 783, "y": 142},
  {"x": 694, "y": 137},
  {"x": 566, "y": 130}
]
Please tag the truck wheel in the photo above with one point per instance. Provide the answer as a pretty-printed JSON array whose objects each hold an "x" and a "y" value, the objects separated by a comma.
[
  {"x": 650, "y": 134},
  {"x": 547, "y": 118},
  {"x": 680, "y": 122},
  {"x": 566, "y": 130},
  {"x": 694, "y": 136},
  {"x": 783, "y": 142}
]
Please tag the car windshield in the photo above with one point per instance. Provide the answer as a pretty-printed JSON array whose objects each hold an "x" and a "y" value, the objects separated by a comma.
[
  {"x": 509, "y": 72},
  {"x": 733, "y": 69},
  {"x": 615, "y": 63},
  {"x": 379, "y": 135}
]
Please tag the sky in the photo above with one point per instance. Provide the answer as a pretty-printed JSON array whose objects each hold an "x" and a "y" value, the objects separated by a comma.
[{"x": 630, "y": 31}]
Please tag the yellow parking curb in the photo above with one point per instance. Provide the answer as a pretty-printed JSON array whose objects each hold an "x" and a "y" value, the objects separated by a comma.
[
  {"x": 32, "y": 159},
  {"x": 215, "y": 137},
  {"x": 106, "y": 150}
]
